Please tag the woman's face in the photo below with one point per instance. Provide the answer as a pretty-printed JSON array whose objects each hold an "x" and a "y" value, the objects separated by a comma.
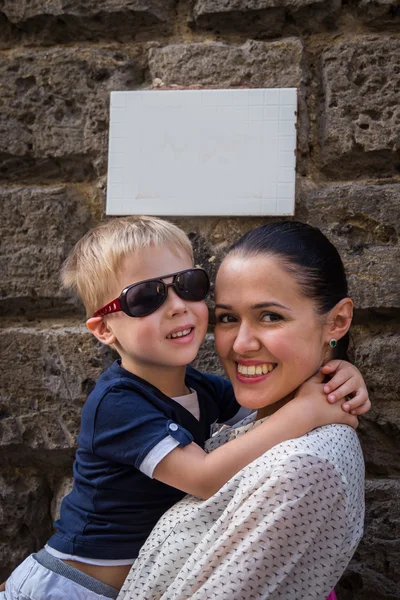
[{"x": 268, "y": 335}]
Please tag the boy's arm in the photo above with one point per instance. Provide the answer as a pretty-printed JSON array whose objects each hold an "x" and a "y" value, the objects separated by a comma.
[
  {"x": 346, "y": 383},
  {"x": 192, "y": 470}
]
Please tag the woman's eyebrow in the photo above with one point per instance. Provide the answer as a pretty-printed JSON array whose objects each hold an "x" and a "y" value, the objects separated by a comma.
[
  {"x": 255, "y": 306},
  {"x": 268, "y": 304}
]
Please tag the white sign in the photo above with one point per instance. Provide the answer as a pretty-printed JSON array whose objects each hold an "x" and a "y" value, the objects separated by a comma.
[{"x": 202, "y": 152}]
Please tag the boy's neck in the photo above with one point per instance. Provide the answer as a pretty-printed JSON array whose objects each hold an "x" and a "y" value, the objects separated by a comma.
[{"x": 169, "y": 380}]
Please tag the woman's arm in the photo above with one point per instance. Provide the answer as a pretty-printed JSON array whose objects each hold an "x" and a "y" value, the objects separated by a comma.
[{"x": 192, "y": 470}]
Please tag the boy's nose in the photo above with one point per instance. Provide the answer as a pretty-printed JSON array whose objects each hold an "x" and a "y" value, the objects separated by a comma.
[
  {"x": 246, "y": 341},
  {"x": 175, "y": 304}
]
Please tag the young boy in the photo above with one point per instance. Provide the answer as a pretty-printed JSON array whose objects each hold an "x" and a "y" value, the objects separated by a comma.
[{"x": 146, "y": 406}]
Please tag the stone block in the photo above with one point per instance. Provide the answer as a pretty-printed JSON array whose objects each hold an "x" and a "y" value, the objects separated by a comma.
[
  {"x": 374, "y": 571},
  {"x": 378, "y": 13},
  {"x": 55, "y": 106},
  {"x": 38, "y": 227},
  {"x": 363, "y": 222},
  {"x": 47, "y": 374},
  {"x": 24, "y": 516},
  {"x": 360, "y": 117},
  {"x": 220, "y": 65},
  {"x": 57, "y": 21},
  {"x": 376, "y": 354},
  {"x": 264, "y": 18}
]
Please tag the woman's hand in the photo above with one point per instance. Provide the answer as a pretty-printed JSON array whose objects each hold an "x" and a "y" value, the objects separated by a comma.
[
  {"x": 346, "y": 383},
  {"x": 311, "y": 406}
]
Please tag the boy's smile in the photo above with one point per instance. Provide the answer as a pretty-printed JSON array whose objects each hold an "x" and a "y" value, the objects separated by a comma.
[
  {"x": 158, "y": 347},
  {"x": 182, "y": 335}
]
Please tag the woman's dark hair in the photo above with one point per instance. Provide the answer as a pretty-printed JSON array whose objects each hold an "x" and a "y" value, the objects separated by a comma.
[{"x": 309, "y": 257}]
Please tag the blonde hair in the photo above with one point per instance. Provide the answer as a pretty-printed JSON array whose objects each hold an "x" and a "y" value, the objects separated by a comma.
[{"x": 91, "y": 269}]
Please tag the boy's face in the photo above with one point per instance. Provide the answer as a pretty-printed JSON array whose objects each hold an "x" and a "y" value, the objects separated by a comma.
[{"x": 145, "y": 343}]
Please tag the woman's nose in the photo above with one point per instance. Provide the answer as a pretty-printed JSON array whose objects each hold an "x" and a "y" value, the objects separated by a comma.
[{"x": 246, "y": 340}]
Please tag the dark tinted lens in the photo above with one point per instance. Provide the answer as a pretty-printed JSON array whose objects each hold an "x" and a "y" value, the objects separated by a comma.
[
  {"x": 145, "y": 298},
  {"x": 193, "y": 285}
]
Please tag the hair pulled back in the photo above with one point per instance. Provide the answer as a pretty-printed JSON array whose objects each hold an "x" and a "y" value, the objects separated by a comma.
[{"x": 308, "y": 256}]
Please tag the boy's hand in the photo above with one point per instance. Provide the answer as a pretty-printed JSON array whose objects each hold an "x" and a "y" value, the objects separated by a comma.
[
  {"x": 311, "y": 406},
  {"x": 3, "y": 587},
  {"x": 347, "y": 383}
]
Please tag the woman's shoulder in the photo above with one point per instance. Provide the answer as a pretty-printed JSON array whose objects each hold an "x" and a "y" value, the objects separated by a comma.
[{"x": 333, "y": 445}]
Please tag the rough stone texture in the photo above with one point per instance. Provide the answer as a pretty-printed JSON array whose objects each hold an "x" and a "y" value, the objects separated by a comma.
[
  {"x": 362, "y": 221},
  {"x": 374, "y": 574},
  {"x": 38, "y": 227},
  {"x": 24, "y": 516},
  {"x": 57, "y": 21},
  {"x": 46, "y": 131},
  {"x": 18, "y": 12},
  {"x": 63, "y": 487},
  {"x": 216, "y": 64},
  {"x": 266, "y": 17},
  {"x": 360, "y": 117},
  {"x": 207, "y": 359},
  {"x": 47, "y": 374},
  {"x": 376, "y": 353},
  {"x": 379, "y": 13}
]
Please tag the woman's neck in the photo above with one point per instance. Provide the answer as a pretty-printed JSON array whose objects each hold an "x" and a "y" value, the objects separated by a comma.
[{"x": 267, "y": 411}]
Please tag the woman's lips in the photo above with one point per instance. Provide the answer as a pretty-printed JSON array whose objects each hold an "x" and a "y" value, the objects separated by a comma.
[{"x": 253, "y": 371}]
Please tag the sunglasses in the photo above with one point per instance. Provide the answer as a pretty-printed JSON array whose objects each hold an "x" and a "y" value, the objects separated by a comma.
[{"x": 145, "y": 297}]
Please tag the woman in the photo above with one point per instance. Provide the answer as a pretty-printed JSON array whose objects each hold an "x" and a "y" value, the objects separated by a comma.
[{"x": 287, "y": 525}]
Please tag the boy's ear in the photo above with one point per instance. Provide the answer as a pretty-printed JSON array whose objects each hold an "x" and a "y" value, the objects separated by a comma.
[
  {"x": 98, "y": 326},
  {"x": 340, "y": 318}
]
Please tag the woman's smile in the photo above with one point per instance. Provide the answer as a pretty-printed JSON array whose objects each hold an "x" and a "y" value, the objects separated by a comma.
[{"x": 253, "y": 371}]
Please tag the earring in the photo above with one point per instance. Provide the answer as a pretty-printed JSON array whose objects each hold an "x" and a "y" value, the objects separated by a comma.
[{"x": 332, "y": 343}]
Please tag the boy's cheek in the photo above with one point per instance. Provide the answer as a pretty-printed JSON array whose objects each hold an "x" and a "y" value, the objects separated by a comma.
[{"x": 203, "y": 318}]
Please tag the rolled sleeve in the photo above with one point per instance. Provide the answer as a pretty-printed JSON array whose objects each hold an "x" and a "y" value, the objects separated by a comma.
[
  {"x": 156, "y": 455},
  {"x": 127, "y": 430},
  {"x": 177, "y": 436}
]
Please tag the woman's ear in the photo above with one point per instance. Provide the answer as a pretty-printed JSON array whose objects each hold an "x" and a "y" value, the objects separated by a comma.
[
  {"x": 98, "y": 326},
  {"x": 340, "y": 318}
]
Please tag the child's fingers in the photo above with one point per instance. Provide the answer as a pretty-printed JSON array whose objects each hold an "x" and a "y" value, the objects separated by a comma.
[
  {"x": 318, "y": 377},
  {"x": 361, "y": 410},
  {"x": 339, "y": 387},
  {"x": 360, "y": 403},
  {"x": 330, "y": 366},
  {"x": 357, "y": 398}
]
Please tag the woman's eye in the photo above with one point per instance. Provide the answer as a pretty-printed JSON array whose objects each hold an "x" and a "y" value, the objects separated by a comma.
[
  {"x": 271, "y": 317},
  {"x": 226, "y": 319}
]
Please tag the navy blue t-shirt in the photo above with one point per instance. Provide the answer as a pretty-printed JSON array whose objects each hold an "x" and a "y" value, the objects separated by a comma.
[{"x": 113, "y": 506}]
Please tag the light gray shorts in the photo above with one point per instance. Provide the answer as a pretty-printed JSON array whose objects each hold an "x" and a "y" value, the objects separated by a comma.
[{"x": 44, "y": 577}]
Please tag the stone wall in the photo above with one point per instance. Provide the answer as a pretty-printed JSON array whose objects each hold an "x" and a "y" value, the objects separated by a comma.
[{"x": 58, "y": 62}]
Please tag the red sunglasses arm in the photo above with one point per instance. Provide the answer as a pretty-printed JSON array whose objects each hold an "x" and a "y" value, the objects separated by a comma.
[{"x": 111, "y": 307}]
